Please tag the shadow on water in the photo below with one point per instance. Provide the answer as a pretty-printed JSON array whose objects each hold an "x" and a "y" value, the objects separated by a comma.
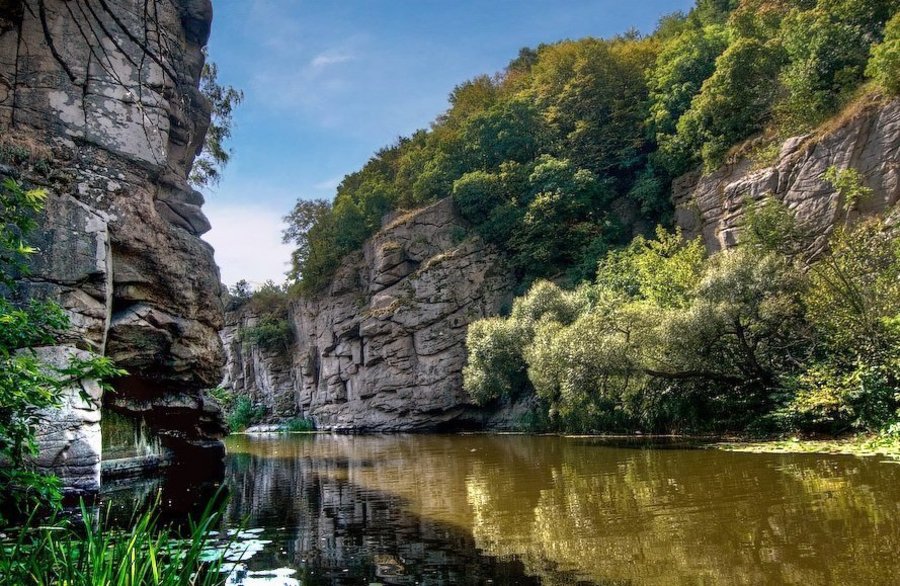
[{"x": 472, "y": 509}]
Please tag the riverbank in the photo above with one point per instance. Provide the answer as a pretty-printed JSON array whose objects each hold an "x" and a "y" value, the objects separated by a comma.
[{"x": 857, "y": 445}]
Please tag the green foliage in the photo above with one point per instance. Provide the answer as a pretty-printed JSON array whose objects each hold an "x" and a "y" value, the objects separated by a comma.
[
  {"x": 272, "y": 329},
  {"x": 207, "y": 167},
  {"x": 733, "y": 103},
  {"x": 299, "y": 425},
  {"x": 243, "y": 414},
  {"x": 84, "y": 554},
  {"x": 827, "y": 47},
  {"x": 269, "y": 333},
  {"x": 28, "y": 387},
  {"x": 662, "y": 270},
  {"x": 495, "y": 367},
  {"x": 270, "y": 299},
  {"x": 848, "y": 183},
  {"x": 884, "y": 66},
  {"x": 668, "y": 339},
  {"x": 223, "y": 396},
  {"x": 619, "y": 118},
  {"x": 19, "y": 208},
  {"x": 682, "y": 66}
]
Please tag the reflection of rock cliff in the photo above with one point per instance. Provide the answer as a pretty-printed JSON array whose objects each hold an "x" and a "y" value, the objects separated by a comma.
[
  {"x": 564, "y": 510},
  {"x": 868, "y": 141},
  {"x": 383, "y": 346},
  {"x": 99, "y": 105}
]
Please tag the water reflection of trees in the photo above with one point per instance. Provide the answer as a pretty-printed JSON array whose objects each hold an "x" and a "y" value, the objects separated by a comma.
[
  {"x": 567, "y": 509},
  {"x": 674, "y": 517}
]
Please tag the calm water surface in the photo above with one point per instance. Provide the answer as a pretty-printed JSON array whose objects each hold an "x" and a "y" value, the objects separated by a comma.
[{"x": 512, "y": 509}]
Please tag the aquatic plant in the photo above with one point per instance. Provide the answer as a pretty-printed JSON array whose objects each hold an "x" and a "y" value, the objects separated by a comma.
[{"x": 91, "y": 553}]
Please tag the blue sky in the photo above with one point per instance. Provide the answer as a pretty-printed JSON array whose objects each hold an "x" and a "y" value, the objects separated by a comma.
[{"x": 327, "y": 83}]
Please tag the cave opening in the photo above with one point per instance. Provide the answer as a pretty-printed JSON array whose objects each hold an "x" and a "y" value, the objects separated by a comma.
[{"x": 146, "y": 427}]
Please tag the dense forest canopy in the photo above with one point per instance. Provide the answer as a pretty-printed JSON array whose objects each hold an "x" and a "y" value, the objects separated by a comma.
[{"x": 570, "y": 151}]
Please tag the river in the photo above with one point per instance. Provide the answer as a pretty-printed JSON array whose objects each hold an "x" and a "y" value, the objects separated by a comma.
[{"x": 517, "y": 509}]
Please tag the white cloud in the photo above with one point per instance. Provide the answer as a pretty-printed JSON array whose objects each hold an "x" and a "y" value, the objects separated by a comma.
[
  {"x": 331, "y": 57},
  {"x": 247, "y": 239}
]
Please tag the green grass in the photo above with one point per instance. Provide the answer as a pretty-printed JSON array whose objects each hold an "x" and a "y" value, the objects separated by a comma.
[{"x": 83, "y": 553}]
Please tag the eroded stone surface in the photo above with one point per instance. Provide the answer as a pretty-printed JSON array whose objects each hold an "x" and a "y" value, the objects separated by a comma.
[
  {"x": 383, "y": 347},
  {"x": 69, "y": 437},
  {"x": 712, "y": 205},
  {"x": 103, "y": 99}
]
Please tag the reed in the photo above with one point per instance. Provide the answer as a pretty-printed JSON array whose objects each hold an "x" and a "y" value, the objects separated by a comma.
[{"x": 91, "y": 553}]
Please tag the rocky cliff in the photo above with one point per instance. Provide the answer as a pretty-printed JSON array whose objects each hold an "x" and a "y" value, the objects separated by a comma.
[
  {"x": 383, "y": 347},
  {"x": 99, "y": 105},
  {"x": 866, "y": 139}
]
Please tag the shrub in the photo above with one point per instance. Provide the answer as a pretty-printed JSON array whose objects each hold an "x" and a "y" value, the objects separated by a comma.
[
  {"x": 270, "y": 333},
  {"x": 494, "y": 368},
  {"x": 299, "y": 424},
  {"x": 848, "y": 183},
  {"x": 223, "y": 396},
  {"x": 243, "y": 414},
  {"x": 884, "y": 65}
]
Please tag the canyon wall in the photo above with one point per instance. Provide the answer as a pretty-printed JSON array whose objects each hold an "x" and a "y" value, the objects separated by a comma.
[
  {"x": 383, "y": 347},
  {"x": 866, "y": 139},
  {"x": 100, "y": 106}
]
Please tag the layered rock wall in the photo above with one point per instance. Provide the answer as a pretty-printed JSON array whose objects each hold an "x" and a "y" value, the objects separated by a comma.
[
  {"x": 99, "y": 105},
  {"x": 383, "y": 347},
  {"x": 867, "y": 140}
]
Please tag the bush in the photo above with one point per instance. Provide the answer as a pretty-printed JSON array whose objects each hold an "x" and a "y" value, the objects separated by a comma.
[
  {"x": 243, "y": 414},
  {"x": 270, "y": 333},
  {"x": 884, "y": 65},
  {"x": 299, "y": 424},
  {"x": 494, "y": 368},
  {"x": 666, "y": 339}
]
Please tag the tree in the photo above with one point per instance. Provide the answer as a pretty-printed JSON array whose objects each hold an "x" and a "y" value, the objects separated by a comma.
[
  {"x": 306, "y": 215},
  {"x": 827, "y": 49},
  {"x": 214, "y": 155},
  {"x": 884, "y": 66},
  {"x": 735, "y": 102},
  {"x": 680, "y": 70}
]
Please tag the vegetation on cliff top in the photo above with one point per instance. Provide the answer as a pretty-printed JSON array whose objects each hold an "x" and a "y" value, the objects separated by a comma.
[{"x": 570, "y": 151}]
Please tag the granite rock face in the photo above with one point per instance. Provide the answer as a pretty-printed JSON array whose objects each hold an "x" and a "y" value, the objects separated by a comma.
[
  {"x": 869, "y": 141},
  {"x": 383, "y": 347},
  {"x": 99, "y": 105}
]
